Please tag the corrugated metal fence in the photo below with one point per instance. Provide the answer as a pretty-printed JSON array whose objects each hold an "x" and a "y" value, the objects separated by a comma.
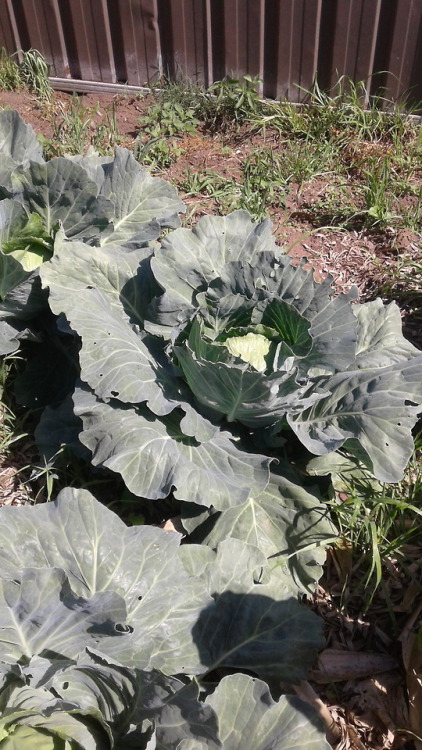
[{"x": 284, "y": 42}]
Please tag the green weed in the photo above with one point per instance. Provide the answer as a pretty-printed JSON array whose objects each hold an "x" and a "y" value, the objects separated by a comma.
[
  {"x": 229, "y": 103},
  {"x": 181, "y": 91},
  {"x": 262, "y": 184},
  {"x": 411, "y": 215},
  {"x": 305, "y": 160},
  {"x": 157, "y": 152},
  {"x": 10, "y": 76},
  {"x": 106, "y": 134},
  {"x": 70, "y": 128},
  {"x": 377, "y": 195},
  {"x": 336, "y": 206},
  {"x": 168, "y": 118},
  {"x": 34, "y": 72},
  {"x": 225, "y": 191},
  {"x": 74, "y": 129},
  {"x": 378, "y": 522}
]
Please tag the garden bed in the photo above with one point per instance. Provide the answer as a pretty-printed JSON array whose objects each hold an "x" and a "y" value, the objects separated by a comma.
[{"x": 347, "y": 198}]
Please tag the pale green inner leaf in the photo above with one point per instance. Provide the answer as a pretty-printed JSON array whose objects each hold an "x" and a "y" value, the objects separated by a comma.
[{"x": 252, "y": 348}]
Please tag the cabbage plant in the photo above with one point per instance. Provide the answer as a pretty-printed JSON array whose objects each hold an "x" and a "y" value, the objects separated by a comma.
[
  {"x": 192, "y": 389},
  {"x": 107, "y": 632},
  {"x": 82, "y": 195}
]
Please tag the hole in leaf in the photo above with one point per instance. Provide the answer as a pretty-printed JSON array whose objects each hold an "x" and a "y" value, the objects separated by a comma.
[
  {"x": 65, "y": 686},
  {"x": 123, "y": 628},
  {"x": 115, "y": 393}
]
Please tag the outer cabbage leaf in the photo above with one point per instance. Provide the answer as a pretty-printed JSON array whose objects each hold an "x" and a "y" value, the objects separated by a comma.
[
  {"x": 142, "y": 204},
  {"x": 125, "y": 697},
  {"x": 375, "y": 407},
  {"x": 12, "y": 273},
  {"x": 137, "y": 197},
  {"x": 189, "y": 259},
  {"x": 40, "y": 614},
  {"x": 35, "y": 719},
  {"x": 294, "y": 284},
  {"x": 249, "y": 719},
  {"x": 380, "y": 341},
  {"x": 61, "y": 191},
  {"x": 48, "y": 735},
  {"x": 104, "y": 293},
  {"x": 234, "y": 566},
  {"x": 115, "y": 286},
  {"x": 58, "y": 428},
  {"x": 50, "y": 371},
  {"x": 20, "y": 290},
  {"x": 9, "y": 338},
  {"x": 248, "y": 628},
  {"x": 153, "y": 455},
  {"x": 261, "y": 628},
  {"x": 348, "y": 474},
  {"x": 289, "y": 525},
  {"x": 92, "y": 163},
  {"x": 18, "y": 140},
  {"x": 97, "y": 698},
  {"x": 123, "y": 277},
  {"x": 7, "y": 167},
  {"x": 100, "y": 554}
]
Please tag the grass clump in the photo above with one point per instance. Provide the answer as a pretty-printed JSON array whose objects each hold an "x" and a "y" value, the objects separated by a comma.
[
  {"x": 10, "y": 74},
  {"x": 31, "y": 73},
  {"x": 75, "y": 129},
  {"x": 380, "y": 525},
  {"x": 168, "y": 118},
  {"x": 34, "y": 72},
  {"x": 230, "y": 103}
]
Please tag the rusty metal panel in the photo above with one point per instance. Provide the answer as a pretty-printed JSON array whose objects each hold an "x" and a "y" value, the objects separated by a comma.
[
  {"x": 287, "y": 43},
  {"x": 183, "y": 32},
  {"x": 37, "y": 24},
  {"x": 7, "y": 39},
  {"x": 86, "y": 32},
  {"x": 291, "y": 47},
  {"x": 238, "y": 37},
  {"x": 348, "y": 41},
  {"x": 400, "y": 53},
  {"x": 136, "y": 40},
  {"x": 18, "y": 26}
]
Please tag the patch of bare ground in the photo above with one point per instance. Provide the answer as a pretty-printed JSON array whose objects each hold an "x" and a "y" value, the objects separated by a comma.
[
  {"x": 44, "y": 117},
  {"x": 18, "y": 458},
  {"x": 368, "y": 670}
]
